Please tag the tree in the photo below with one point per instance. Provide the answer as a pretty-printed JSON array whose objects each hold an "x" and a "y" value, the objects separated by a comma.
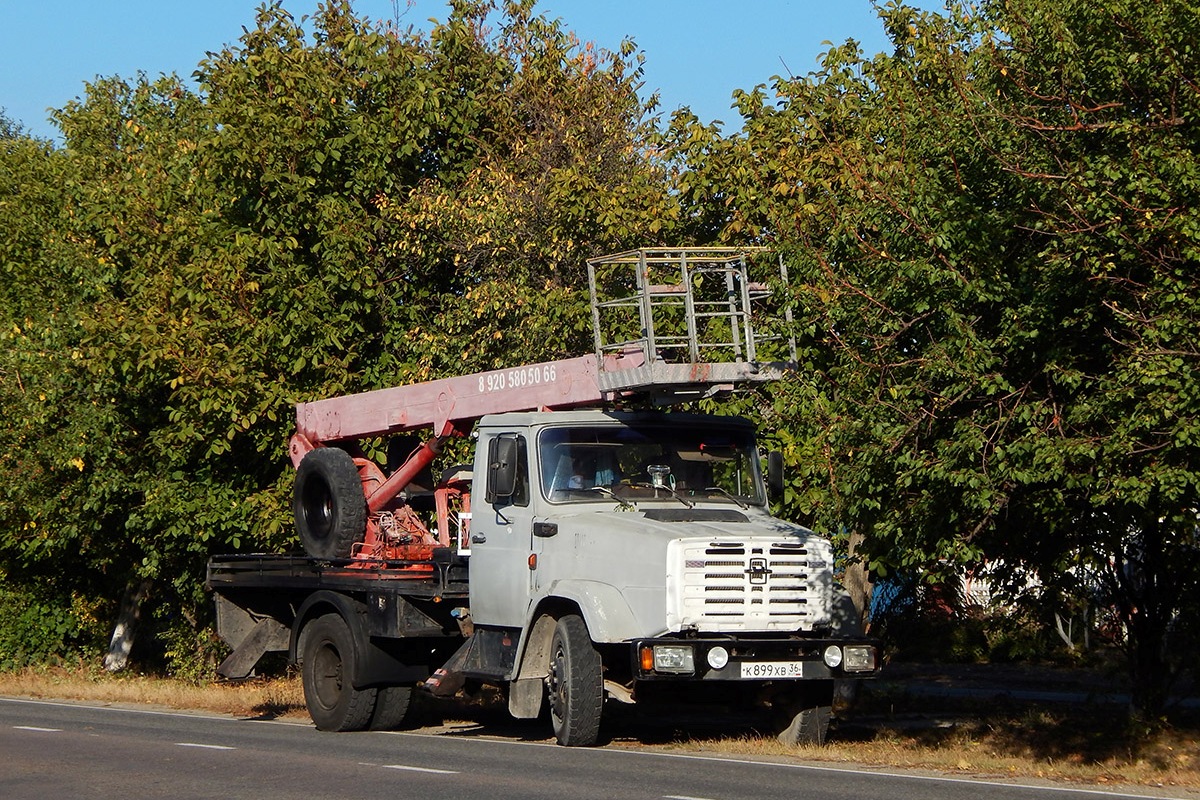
[
  {"x": 336, "y": 209},
  {"x": 994, "y": 232},
  {"x": 562, "y": 167}
]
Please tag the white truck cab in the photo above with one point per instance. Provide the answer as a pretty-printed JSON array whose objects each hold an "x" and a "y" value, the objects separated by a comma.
[{"x": 652, "y": 532}]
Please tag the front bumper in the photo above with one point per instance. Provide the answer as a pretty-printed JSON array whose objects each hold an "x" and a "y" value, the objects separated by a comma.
[{"x": 747, "y": 659}]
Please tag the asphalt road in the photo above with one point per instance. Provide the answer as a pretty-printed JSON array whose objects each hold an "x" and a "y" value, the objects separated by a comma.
[{"x": 69, "y": 750}]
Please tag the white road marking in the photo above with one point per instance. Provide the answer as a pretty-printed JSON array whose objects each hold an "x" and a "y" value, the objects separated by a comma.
[
  {"x": 420, "y": 769},
  {"x": 204, "y": 746},
  {"x": 37, "y": 730},
  {"x": 682, "y": 797},
  {"x": 147, "y": 712}
]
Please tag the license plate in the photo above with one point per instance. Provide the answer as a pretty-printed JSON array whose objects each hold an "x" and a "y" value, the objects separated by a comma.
[{"x": 761, "y": 670}]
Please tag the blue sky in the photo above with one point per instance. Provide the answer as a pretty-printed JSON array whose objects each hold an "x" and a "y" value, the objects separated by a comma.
[{"x": 697, "y": 51}]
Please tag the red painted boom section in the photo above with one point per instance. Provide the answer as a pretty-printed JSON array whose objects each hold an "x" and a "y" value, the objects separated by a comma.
[{"x": 440, "y": 404}]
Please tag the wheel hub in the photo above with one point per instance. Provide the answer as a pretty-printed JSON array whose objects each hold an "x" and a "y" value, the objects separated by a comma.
[
  {"x": 328, "y": 676},
  {"x": 556, "y": 686}
]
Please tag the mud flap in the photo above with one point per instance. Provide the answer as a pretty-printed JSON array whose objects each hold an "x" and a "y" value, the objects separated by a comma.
[
  {"x": 525, "y": 698},
  {"x": 267, "y": 635},
  {"x": 487, "y": 654}
]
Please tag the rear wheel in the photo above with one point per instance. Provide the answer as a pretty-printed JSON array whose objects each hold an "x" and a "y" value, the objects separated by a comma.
[
  {"x": 393, "y": 708},
  {"x": 330, "y": 510},
  {"x": 804, "y": 713},
  {"x": 574, "y": 684},
  {"x": 329, "y": 661}
]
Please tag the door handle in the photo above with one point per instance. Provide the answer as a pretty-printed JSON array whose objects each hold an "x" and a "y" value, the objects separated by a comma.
[{"x": 478, "y": 538}]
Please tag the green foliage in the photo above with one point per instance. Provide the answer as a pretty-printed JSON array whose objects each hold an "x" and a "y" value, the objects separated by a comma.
[
  {"x": 340, "y": 206},
  {"x": 40, "y": 628},
  {"x": 188, "y": 652},
  {"x": 561, "y": 170},
  {"x": 919, "y": 622},
  {"x": 994, "y": 237}
]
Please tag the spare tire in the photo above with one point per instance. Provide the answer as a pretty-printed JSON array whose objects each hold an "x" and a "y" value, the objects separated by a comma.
[{"x": 331, "y": 512}]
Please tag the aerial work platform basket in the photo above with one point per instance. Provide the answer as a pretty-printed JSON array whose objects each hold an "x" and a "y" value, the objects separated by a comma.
[{"x": 701, "y": 318}]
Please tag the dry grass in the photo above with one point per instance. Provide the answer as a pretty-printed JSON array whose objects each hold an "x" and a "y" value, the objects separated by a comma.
[
  {"x": 1172, "y": 759},
  {"x": 1074, "y": 745},
  {"x": 268, "y": 699},
  {"x": 993, "y": 737}
]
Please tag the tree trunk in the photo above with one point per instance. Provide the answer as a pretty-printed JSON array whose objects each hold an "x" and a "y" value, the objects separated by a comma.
[
  {"x": 127, "y": 620},
  {"x": 857, "y": 581},
  {"x": 1150, "y": 673},
  {"x": 1145, "y": 579}
]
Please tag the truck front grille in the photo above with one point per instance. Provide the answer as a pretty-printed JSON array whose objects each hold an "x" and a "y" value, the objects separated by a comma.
[{"x": 760, "y": 584}]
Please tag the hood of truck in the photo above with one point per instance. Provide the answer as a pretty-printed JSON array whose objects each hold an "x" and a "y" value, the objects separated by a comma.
[{"x": 712, "y": 568}]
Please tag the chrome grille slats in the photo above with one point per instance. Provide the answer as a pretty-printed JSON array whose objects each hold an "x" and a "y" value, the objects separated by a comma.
[{"x": 758, "y": 584}]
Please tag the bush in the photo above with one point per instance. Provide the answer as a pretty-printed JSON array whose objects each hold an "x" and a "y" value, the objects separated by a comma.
[
  {"x": 190, "y": 654},
  {"x": 38, "y": 630},
  {"x": 919, "y": 622}
]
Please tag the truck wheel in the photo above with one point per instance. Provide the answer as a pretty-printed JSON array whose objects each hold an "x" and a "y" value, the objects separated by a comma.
[
  {"x": 574, "y": 684},
  {"x": 805, "y": 714},
  {"x": 333, "y": 703},
  {"x": 393, "y": 708},
  {"x": 331, "y": 512}
]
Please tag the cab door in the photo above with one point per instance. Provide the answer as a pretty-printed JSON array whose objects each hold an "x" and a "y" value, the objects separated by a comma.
[{"x": 500, "y": 532}]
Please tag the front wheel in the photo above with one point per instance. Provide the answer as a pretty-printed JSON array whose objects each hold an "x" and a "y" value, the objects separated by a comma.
[
  {"x": 329, "y": 659},
  {"x": 574, "y": 684},
  {"x": 805, "y": 712}
]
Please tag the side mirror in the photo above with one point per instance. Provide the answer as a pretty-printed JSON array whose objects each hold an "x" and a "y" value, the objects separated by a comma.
[
  {"x": 775, "y": 475},
  {"x": 502, "y": 469}
]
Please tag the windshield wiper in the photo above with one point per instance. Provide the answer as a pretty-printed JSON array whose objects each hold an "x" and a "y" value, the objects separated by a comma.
[
  {"x": 667, "y": 489},
  {"x": 734, "y": 498},
  {"x": 607, "y": 491}
]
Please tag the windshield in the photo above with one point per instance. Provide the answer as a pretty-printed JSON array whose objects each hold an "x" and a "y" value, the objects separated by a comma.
[{"x": 646, "y": 462}]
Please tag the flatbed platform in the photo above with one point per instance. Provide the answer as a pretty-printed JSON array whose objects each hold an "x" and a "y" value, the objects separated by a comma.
[{"x": 439, "y": 579}]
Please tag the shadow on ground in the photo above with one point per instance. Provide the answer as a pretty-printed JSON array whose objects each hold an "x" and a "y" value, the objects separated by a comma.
[{"x": 1040, "y": 714}]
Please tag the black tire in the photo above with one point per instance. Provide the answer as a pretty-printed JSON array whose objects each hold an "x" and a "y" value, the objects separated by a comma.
[
  {"x": 574, "y": 684},
  {"x": 393, "y": 708},
  {"x": 804, "y": 714},
  {"x": 331, "y": 512},
  {"x": 328, "y": 662}
]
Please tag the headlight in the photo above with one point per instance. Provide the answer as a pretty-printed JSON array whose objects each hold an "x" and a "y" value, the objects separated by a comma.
[
  {"x": 859, "y": 658},
  {"x": 674, "y": 658},
  {"x": 833, "y": 656},
  {"x": 718, "y": 657}
]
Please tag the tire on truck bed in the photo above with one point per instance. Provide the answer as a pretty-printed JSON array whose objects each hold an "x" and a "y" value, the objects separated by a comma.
[{"x": 328, "y": 502}]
